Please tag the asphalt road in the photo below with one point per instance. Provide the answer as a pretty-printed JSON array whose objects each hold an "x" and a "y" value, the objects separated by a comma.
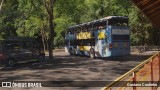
[{"x": 72, "y": 68}]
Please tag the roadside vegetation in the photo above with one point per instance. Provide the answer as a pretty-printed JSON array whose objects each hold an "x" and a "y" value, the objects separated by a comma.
[{"x": 47, "y": 20}]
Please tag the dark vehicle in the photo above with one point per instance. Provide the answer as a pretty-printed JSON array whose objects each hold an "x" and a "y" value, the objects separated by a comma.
[{"x": 19, "y": 49}]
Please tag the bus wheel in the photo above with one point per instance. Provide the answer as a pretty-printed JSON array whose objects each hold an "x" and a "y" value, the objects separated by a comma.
[
  {"x": 10, "y": 62},
  {"x": 71, "y": 51},
  {"x": 92, "y": 53},
  {"x": 41, "y": 58}
]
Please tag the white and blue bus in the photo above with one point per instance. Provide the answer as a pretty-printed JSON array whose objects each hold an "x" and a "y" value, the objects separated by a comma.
[{"x": 106, "y": 37}]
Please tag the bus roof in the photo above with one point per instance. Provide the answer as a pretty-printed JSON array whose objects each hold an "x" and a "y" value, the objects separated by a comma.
[
  {"x": 100, "y": 21},
  {"x": 12, "y": 38}
]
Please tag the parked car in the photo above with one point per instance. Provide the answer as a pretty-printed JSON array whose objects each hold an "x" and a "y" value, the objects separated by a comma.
[{"x": 19, "y": 49}]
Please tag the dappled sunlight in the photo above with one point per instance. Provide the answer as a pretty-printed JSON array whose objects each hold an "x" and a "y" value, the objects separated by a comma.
[{"x": 72, "y": 68}]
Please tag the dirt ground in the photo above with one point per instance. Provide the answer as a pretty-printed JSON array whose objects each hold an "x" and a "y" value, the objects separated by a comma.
[{"x": 76, "y": 68}]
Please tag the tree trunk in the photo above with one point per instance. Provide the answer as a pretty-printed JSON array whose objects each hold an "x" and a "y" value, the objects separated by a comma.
[
  {"x": 49, "y": 8},
  {"x": 51, "y": 37},
  {"x": 43, "y": 38}
]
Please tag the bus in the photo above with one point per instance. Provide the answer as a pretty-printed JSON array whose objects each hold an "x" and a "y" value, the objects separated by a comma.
[{"x": 106, "y": 37}]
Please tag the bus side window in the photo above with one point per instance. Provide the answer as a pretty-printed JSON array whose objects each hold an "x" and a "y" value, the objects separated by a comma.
[
  {"x": 26, "y": 45},
  {"x": 92, "y": 34},
  {"x": 81, "y": 42},
  {"x": 35, "y": 45},
  {"x": 92, "y": 42},
  {"x": 12, "y": 45}
]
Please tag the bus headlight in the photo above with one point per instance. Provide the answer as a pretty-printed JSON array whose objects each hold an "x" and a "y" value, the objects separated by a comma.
[
  {"x": 110, "y": 46},
  {"x": 125, "y": 45}
]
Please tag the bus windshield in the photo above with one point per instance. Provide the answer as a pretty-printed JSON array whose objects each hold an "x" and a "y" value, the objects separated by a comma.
[
  {"x": 118, "y": 22},
  {"x": 120, "y": 37}
]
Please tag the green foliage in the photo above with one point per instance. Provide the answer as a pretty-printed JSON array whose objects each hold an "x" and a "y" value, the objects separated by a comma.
[
  {"x": 7, "y": 18},
  {"x": 29, "y": 18},
  {"x": 140, "y": 28}
]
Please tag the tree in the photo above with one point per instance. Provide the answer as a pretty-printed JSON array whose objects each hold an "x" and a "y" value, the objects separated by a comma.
[
  {"x": 8, "y": 17},
  {"x": 49, "y": 5},
  {"x": 140, "y": 28},
  {"x": 48, "y": 19}
]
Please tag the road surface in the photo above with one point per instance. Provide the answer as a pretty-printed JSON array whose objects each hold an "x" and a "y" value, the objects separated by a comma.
[{"x": 72, "y": 68}]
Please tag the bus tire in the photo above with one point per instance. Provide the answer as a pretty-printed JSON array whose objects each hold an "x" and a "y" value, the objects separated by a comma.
[
  {"x": 92, "y": 53},
  {"x": 10, "y": 62},
  {"x": 71, "y": 51},
  {"x": 41, "y": 58}
]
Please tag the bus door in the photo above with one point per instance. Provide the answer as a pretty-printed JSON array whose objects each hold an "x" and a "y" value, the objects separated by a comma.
[
  {"x": 67, "y": 45},
  {"x": 68, "y": 38},
  {"x": 99, "y": 48}
]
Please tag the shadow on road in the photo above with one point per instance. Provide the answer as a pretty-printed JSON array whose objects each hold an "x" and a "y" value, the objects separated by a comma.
[
  {"x": 129, "y": 58},
  {"x": 72, "y": 68},
  {"x": 73, "y": 62}
]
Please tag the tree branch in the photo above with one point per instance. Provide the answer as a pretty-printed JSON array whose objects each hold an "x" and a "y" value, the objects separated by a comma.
[
  {"x": 45, "y": 5},
  {"x": 1, "y": 5}
]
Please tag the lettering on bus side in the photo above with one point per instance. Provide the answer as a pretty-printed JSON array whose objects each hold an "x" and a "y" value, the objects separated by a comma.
[
  {"x": 84, "y": 35},
  {"x": 120, "y": 31}
]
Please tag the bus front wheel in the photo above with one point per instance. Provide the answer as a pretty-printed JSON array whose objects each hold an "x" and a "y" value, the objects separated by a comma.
[
  {"x": 92, "y": 53},
  {"x": 10, "y": 62}
]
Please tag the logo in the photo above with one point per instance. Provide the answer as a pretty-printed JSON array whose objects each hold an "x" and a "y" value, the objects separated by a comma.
[
  {"x": 101, "y": 35},
  {"x": 21, "y": 84},
  {"x": 6, "y": 84},
  {"x": 84, "y": 35}
]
